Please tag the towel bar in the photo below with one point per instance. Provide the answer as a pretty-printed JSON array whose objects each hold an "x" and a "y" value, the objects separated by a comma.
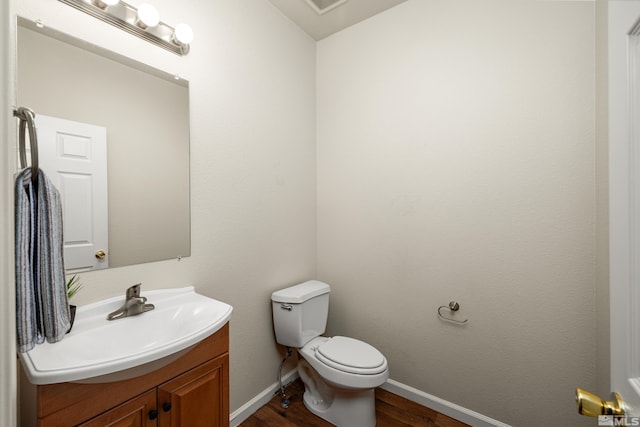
[{"x": 27, "y": 117}]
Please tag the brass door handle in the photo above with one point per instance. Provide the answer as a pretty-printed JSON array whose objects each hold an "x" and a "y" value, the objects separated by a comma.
[
  {"x": 100, "y": 254},
  {"x": 591, "y": 405}
]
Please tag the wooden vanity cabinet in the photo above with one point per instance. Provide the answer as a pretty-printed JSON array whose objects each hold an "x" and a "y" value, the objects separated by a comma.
[{"x": 192, "y": 391}]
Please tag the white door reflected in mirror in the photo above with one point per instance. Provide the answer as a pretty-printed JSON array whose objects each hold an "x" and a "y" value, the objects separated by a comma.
[{"x": 74, "y": 156}]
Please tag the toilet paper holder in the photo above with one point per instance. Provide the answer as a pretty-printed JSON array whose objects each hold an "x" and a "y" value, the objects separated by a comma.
[{"x": 453, "y": 306}]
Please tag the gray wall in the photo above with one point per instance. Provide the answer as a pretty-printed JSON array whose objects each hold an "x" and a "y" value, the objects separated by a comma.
[{"x": 456, "y": 161}]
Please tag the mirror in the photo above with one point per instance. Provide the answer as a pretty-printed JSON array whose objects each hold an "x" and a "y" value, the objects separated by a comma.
[{"x": 146, "y": 116}]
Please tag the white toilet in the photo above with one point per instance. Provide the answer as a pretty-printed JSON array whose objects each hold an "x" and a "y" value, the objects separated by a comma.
[{"x": 339, "y": 373}]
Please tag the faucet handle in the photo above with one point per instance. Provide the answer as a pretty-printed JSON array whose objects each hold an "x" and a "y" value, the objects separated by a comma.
[{"x": 134, "y": 291}]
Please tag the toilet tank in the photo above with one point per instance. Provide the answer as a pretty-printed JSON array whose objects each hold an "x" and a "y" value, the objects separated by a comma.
[{"x": 300, "y": 312}]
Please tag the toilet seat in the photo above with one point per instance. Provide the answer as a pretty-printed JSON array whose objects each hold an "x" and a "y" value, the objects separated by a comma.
[{"x": 351, "y": 355}]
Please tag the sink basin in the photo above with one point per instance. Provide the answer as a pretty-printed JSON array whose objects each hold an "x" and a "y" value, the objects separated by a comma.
[{"x": 98, "y": 350}]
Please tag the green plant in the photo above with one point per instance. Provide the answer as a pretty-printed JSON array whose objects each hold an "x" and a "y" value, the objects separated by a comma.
[{"x": 73, "y": 286}]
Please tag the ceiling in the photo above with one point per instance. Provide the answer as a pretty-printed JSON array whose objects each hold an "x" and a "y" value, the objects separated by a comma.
[{"x": 333, "y": 20}]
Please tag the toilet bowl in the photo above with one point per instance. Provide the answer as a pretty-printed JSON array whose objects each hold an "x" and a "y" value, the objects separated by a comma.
[
  {"x": 339, "y": 373},
  {"x": 345, "y": 362},
  {"x": 339, "y": 383}
]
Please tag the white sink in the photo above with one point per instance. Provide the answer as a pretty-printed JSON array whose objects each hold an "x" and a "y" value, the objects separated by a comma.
[{"x": 98, "y": 350}]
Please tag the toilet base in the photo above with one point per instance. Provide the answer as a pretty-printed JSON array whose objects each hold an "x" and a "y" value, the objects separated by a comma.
[
  {"x": 346, "y": 411},
  {"x": 343, "y": 408}
]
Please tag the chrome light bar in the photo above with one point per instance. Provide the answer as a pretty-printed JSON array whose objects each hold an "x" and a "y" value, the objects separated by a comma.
[{"x": 126, "y": 17}]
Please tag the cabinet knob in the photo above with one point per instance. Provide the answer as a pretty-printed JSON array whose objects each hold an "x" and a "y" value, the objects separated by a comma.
[
  {"x": 153, "y": 414},
  {"x": 166, "y": 406}
]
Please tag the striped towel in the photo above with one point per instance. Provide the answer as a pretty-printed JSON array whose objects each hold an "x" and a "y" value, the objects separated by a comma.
[{"x": 42, "y": 308}]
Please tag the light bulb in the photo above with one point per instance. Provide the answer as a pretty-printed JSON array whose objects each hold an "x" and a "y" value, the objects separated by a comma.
[
  {"x": 148, "y": 16},
  {"x": 183, "y": 34}
]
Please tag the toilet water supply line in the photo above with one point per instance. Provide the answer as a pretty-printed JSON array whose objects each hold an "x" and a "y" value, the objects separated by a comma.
[{"x": 285, "y": 401}]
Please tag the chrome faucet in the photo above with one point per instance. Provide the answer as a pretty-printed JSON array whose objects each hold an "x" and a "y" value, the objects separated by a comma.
[{"x": 134, "y": 304}]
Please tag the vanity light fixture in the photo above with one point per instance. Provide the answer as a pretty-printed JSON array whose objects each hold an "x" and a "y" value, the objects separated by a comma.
[{"x": 143, "y": 22}]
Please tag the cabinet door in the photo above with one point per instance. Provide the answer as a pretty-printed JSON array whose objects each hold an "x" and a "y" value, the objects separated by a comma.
[
  {"x": 133, "y": 413},
  {"x": 198, "y": 398}
]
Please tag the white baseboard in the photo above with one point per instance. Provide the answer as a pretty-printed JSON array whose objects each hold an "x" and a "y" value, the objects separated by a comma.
[
  {"x": 249, "y": 408},
  {"x": 445, "y": 407},
  {"x": 451, "y": 409}
]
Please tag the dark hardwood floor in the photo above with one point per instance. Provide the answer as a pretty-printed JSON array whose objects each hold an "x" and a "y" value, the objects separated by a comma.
[{"x": 391, "y": 411}]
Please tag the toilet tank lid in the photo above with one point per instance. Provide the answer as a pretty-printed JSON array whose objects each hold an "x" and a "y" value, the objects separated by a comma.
[{"x": 300, "y": 293}]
